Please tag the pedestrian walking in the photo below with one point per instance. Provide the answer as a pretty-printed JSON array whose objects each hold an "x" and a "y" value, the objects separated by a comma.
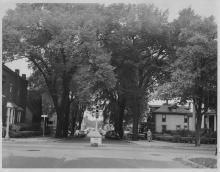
[{"x": 149, "y": 136}]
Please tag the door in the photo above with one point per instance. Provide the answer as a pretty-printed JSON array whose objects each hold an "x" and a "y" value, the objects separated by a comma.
[{"x": 211, "y": 123}]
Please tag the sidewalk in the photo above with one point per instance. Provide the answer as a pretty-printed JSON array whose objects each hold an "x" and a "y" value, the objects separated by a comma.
[
  {"x": 163, "y": 144},
  {"x": 33, "y": 140},
  {"x": 50, "y": 140},
  {"x": 194, "y": 159}
]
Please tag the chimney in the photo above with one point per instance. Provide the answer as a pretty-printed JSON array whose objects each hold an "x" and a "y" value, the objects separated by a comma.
[
  {"x": 17, "y": 71},
  {"x": 24, "y": 76}
]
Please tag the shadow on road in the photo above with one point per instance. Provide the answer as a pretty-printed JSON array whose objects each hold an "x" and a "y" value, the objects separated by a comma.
[{"x": 39, "y": 162}]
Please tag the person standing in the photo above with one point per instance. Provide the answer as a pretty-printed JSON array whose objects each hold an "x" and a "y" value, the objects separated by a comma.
[{"x": 149, "y": 136}]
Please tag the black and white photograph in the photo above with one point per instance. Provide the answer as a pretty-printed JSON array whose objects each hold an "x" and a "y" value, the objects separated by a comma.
[{"x": 109, "y": 85}]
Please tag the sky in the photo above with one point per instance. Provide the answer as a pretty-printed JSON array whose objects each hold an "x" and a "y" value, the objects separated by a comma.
[{"x": 204, "y": 8}]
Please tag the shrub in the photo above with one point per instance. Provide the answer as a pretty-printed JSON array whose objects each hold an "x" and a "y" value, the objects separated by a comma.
[
  {"x": 168, "y": 132},
  {"x": 176, "y": 138},
  {"x": 15, "y": 127},
  {"x": 185, "y": 133},
  {"x": 24, "y": 134},
  {"x": 30, "y": 127},
  {"x": 214, "y": 134},
  {"x": 209, "y": 133}
]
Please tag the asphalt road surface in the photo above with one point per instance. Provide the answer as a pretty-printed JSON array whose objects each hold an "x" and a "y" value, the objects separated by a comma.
[{"x": 79, "y": 154}]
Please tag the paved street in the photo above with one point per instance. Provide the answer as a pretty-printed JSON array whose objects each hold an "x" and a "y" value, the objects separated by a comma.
[{"x": 77, "y": 153}]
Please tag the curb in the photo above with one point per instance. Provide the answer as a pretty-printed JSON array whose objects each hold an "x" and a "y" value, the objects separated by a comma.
[
  {"x": 27, "y": 140},
  {"x": 188, "y": 163}
]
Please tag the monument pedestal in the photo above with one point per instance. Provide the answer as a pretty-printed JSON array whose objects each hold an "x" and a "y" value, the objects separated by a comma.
[{"x": 95, "y": 138}]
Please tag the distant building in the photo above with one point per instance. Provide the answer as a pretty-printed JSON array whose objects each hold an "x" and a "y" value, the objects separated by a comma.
[
  {"x": 14, "y": 90},
  {"x": 173, "y": 117},
  {"x": 34, "y": 107}
]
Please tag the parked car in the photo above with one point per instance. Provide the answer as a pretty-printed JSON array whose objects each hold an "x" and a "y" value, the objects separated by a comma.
[
  {"x": 80, "y": 133},
  {"x": 142, "y": 136},
  {"x": 102, "y": 132},
  {"x": 112, "y": 135},
  {"x": 127, "y": 134}
]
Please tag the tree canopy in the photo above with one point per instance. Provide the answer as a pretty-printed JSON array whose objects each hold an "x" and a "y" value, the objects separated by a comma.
[
  {"x": 120, "y": 53},
  {"x": 194, "y": 71},
  {"x": 59, "y": 41}
]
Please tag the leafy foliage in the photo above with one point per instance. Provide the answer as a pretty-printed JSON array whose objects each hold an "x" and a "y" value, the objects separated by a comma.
[
  {"x": 194, "y": 72},
  {"x": 59, "y": 41}
]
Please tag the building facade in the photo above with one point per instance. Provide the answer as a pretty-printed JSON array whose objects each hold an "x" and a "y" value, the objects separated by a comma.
[
  {"x": 14, "y": 90},
  {"x": 173, "y": 118}
]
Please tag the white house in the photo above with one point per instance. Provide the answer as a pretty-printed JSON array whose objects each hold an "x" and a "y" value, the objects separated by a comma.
[{"x": 173, "y": 117}]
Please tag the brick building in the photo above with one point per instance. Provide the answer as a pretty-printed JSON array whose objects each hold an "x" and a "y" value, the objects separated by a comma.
[{"x": 14, "y": 90}]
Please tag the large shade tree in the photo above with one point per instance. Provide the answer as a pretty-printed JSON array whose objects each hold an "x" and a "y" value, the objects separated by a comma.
[
  {"x": 138, "y": 38},
  {"x": 194, "y": 72},
  {"x": 57, "y": 40}
]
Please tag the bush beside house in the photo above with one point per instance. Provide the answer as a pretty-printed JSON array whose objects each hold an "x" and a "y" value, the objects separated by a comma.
[
  {"x": 23, "y": 130},
  {"x": 185, "y": 136}
]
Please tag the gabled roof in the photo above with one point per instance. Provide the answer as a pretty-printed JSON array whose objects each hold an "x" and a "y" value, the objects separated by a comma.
[
  {"x": 172, "y": 109},
  {"x": 5, "y": 68}
]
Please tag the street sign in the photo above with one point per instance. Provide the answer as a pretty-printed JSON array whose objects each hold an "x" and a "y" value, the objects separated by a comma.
[{"x": 44, "y": 116}]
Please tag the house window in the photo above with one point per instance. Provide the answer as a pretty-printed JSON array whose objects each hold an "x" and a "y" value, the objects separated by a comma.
[
  {"x": 164, "y": 128},
  {"x": 178, "y": 127},
  {"x": 185, "y": 119},
  {"x": 185, "y": 127},
  {"x": 3, "y": 79},
  {"x": 11, "y": 87},
  {"x": 163, "y": 118}
]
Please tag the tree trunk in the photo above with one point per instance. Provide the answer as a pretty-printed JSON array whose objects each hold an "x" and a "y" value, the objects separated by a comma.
[
  {"x": 62, "y": 108},
  {"x": 66, "y": 120},
  {"x": 135, "y": 127},
  {"x": 198, "y": 129},
  {"x": 73, "y": 125},
  {"x": 80, "y": 117},
  {"x": 121, "y": 117},
  {"x": 136, "y": 115},
  {"x": 74, "y": 110},
  {"x": 59, "y": 127},
  {"x": 198, "y": 108}
]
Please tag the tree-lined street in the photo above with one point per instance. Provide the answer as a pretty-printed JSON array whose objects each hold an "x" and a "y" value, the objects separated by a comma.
[
  {"x": 116, "y": 56},
  {"x": 104, "y": 65}
]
